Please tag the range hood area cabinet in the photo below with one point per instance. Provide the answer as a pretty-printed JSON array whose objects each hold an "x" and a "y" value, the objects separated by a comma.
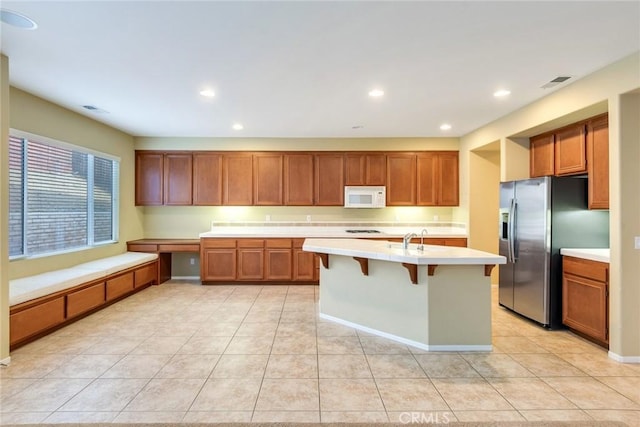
[
  {"x": 240, "y": 178},
  {"x": 579, "y": 148}
]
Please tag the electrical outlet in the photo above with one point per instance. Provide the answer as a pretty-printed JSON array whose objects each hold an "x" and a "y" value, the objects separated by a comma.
[
  {"x": 637, "y": 244},
  {"x": 436, "y": 218},
  {"x": 192, "y": 261},
  {"x": 268, "y": 218},
  {"x": 308, "y": 218}
]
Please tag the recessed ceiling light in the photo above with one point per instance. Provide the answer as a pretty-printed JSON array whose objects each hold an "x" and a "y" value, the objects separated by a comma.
[
  {"x": 445, "y": 126},
  {"x": 17, "y": 20},
  {"x": 376, "y": 93},
  {"x": 501, "y": 93},
  {"x": 209, "y": 93},
  {"x": 237, "y": 126}
]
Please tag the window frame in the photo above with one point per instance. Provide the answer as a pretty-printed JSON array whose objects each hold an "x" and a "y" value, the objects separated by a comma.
[{"x": 115, "y": 196}]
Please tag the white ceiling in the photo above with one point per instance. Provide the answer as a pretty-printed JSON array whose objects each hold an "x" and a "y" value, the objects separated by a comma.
[{"x": 303, "y": 69}]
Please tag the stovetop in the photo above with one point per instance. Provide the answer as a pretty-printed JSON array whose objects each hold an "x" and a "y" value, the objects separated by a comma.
[{"x": 362, "y": 231}]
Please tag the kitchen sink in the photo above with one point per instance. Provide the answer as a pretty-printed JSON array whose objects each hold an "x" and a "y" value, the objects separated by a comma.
[{"x": 413, "y": 247}]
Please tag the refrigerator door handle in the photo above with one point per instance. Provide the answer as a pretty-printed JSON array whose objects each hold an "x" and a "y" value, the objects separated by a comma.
[{"x": 512, "y": 229}]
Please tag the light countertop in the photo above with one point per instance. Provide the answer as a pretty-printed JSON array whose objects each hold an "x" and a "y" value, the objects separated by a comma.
[
  {"x": 386, "y": 251},
  {"x": 601, "y": 255},
  {"x": 333, "y": 230}
]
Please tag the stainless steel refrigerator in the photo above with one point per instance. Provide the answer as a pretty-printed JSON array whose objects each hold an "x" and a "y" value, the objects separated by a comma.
[{"x": 539, "y": 216}]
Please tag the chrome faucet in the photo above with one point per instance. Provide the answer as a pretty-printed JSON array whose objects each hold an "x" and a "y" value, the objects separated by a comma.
[
  {"x": 407, "y": 238},
  {"x": 422, "y": 233}
]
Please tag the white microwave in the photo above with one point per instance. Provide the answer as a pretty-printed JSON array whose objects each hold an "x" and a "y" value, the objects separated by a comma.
[{"x": 365, "y": 197}]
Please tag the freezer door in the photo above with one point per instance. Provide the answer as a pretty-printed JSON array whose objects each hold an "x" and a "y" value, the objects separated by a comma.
[
  {"x": 505, "y": 289},
  {"x": 532, "y": 240}
]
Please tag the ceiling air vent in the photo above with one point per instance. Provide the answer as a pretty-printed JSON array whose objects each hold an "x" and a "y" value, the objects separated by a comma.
[
  {"x": 555, "y": 82},
  {"x": 94, "y": 109}
]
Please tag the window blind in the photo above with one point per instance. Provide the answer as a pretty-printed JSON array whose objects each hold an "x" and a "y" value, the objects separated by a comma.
[{"x": 60, "y": 198}]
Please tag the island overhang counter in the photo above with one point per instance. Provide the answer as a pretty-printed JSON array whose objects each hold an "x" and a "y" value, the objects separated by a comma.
[{"x": 436, "y": 299}]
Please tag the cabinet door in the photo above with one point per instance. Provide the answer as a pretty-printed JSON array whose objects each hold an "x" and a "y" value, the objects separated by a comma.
[
  {"x": 298, "y": 179},
  {"x": 207, "y": 179},
  {"x": 149, "y": 178},
  {"x": 237, "y": 179},
  {"x": 178, "y": 172},
  {"x": 375, "y": 169},
  {"x": 571, "y": 150},
  {"x": 401, "y": 179},
  {"x": 541, "y": 156},
  {"x": 278, "y": 264},
  {"x": 354, "y": 169},
  {"x": 598, "y": 162},
  {"x": 218, "y": 264},
  {"x": 585, "y": 306},
  {"x": 267, "y": 179},
  {"x": 304, "y": 266},
  {"x": 250, "y": 264},
  {"x": 427, "y": 185},
  {"x": 448, "y": 179},
  {"x": 329, "y": 179}
]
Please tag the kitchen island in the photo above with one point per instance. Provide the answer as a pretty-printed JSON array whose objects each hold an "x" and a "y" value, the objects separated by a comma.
[{"x": 436, "y": 299}]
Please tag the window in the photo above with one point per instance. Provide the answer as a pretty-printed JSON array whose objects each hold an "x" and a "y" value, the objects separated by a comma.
[{"x": 61, "y": 197}]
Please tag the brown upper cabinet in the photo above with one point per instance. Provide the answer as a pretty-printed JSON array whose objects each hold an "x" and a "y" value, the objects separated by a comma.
[
  {"x": 149, "y": 178},
  {"x": 571, "y": 150},
  {"x": 207, "y": 178},
  {"x": 298, "y": 179},
  {"x": 178, "y": 172},
  {"x": 267, "y": 179},
  {"x": 437, "y": 178},
  {"x": 163, "y": 178},
  {"x": 401, "y": 179},
  {"x": 598, "y": 161},
  {"x": 329, "y": 179},
  {"x": 237, "y": 179},
  {"x": 579, "y": 148},
  {"x": 541, "y": 156},
  {"x": 365, "y": 169}
]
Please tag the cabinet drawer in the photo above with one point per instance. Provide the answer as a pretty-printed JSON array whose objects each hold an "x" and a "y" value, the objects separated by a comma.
[
  {"x": 586, "y": 268},
  {"x": 278, "y": 243},
  {"x": 84, "y": 300},
  {"x": 145, "y": 275},
  {"x": 179, "y": 248},
  {"x": 36, "y": 319},
  {"x": 250, "y": 243},
  {"x": 119, "y": 286},
  {"x": 142, "y": 248},
  {"x": 218, "y": 243}
]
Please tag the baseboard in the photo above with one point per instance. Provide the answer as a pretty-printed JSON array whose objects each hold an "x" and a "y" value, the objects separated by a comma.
[
  {"x": 6, "y": 361},
  {"x": 185, "y": 277},
  {"x": 623, "y": 359},
  {"x": 412, "y": 343}
]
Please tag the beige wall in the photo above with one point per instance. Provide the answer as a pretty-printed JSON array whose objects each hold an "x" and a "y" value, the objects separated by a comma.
[
  {"x": 599, "y": 92},
  {"x": 484, "y": 199},
  {"x": 38, "y": 116},
  {"x": 4, "y": 207},
  {"x": 625, "y": 218}
]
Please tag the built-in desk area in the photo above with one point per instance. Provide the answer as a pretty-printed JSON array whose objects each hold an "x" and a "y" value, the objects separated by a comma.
[{"x": 164, "y": 248}]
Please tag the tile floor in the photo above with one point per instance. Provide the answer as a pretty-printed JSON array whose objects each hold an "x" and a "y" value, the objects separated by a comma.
[{"x": 185, "y": 352}]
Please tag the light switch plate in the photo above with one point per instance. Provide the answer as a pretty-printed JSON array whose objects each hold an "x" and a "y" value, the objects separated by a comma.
[{"x": 637, "y": 242}]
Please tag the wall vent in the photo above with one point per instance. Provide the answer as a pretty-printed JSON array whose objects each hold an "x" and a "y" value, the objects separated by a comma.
[{"x": 555, "y": 82}]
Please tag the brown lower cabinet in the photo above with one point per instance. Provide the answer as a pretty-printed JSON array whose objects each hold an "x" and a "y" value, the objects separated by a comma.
[
  {"x": 271, "y": 260},
  {"x": 256, "y": 260},
  {"x": 585, "y": 298}
]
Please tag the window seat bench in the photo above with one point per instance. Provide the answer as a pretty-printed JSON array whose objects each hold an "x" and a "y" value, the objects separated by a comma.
[{"x": 42, "y": 303}]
